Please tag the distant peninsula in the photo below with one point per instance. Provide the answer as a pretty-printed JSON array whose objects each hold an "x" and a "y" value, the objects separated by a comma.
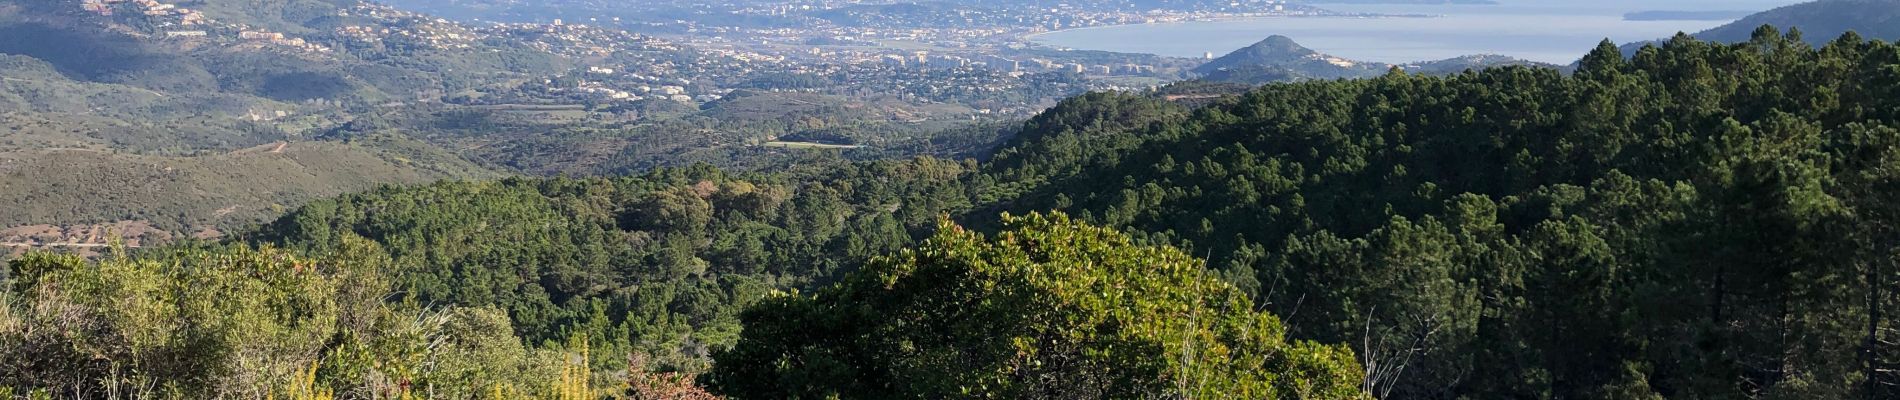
[{"x": 1670, "y": 15}]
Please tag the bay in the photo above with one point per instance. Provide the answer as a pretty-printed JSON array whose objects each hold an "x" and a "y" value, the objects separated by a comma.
[{"x": 1547, "y": 31}]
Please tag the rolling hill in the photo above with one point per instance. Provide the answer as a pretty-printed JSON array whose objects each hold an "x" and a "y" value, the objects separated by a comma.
[
  {"x": 1280, "y": 59},
  {"x": 1659, "y": 213},
  {"x": 1705, "y": 221},
  {"x": 223, "y": 192},
  {"x": 1281, "y": 53},
  {"x": 113, "y": 117},
  {"x": 1646, "y": 228},
  {"x": 1819, "y": 21}
]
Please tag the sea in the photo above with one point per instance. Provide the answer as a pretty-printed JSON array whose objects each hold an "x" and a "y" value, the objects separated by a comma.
[{"x": 1557, "y": 32}]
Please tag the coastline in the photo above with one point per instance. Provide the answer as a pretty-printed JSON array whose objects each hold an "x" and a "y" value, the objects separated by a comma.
[
  {"x": 1394, "y": 39},
  {"x": 1031, "y": 37}
]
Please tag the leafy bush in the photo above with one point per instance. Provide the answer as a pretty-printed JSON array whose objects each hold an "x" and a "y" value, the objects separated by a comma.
[
  {"x": 1048, "y": 309},
  {"x": 243, "y": 322}
]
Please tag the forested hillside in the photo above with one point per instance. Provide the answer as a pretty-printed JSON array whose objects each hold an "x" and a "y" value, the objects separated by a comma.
[
  {"x": 121, "y": 124},
  {"x": 657, "y": 264},
  {"x": 205, "y": 117},
  {"x": 1821, "y": 20},
  {"x": 1701, "y": 220}
]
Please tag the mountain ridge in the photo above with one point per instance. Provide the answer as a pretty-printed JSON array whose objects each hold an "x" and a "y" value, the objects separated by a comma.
[{"x": 1819, "y": 21}]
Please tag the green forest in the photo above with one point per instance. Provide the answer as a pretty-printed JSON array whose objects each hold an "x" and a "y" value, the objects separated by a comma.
[{"x": 1698, "y": 220}]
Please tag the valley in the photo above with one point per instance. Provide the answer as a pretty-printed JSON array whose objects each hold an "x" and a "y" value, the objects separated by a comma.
[{"x": 797, "y": 199}]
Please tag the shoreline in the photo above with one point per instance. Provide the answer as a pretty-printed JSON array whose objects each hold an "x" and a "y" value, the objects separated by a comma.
[
  {"x": 1445, "y": 45},
  {"x": 1030, "y": 40},
  {"x": 1031, "y": 37}
]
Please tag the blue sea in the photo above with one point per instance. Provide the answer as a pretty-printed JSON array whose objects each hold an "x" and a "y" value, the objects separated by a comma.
[{"x": 1549, "y": 31}]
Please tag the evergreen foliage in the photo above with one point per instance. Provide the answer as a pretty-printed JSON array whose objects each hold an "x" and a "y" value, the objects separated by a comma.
[
  {"x": 1049, "y": 308},
  {"x": 1701, "y": 220},
  {"x": 657, "y": 265},
  {"x": 245, "y": 322}
]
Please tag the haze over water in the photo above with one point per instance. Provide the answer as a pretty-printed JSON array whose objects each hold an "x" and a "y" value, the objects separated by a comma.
[{"x": 1556, "y": 32}]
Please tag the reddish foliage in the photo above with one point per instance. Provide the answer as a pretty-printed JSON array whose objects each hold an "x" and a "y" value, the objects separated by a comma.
[{"x": 647, "y": 385}]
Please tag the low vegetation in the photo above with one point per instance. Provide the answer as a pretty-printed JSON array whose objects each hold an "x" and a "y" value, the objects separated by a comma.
[
  {"x": 1049, "y": 308},
  {"x": 1701, "y": 220}
]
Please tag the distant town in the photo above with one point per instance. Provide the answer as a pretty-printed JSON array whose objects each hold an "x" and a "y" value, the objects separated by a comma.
[{"x": 925, "y": 53}]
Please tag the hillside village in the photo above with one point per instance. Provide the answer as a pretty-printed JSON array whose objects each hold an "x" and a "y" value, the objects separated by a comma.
[{"x": 173, "y": 22}]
